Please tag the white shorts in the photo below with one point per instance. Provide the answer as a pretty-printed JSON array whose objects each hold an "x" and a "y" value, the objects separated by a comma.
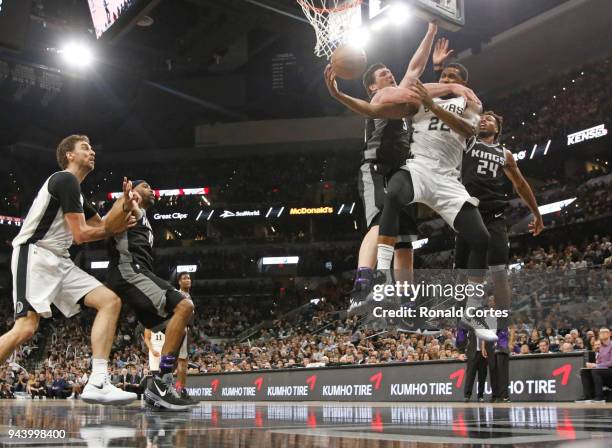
[
  {"x": 41, "y": 278},
  {"x": 442, "y": 193},
  {"x": 154, "y": 360}
]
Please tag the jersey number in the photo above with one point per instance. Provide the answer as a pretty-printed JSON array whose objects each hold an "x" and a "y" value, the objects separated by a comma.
[
  {"x": 433, "y": 125},
  {"x": 483, "y": 165},
  {"x": 158, "y": 337}
]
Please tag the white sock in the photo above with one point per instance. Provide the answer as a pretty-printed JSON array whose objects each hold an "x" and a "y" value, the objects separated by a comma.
[
  {"x": 99, "y": 370},
  {"x": 384, "y": 257}
]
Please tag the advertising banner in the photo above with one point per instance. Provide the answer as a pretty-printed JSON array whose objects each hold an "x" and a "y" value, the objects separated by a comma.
[{"x": 532, "y": 378}]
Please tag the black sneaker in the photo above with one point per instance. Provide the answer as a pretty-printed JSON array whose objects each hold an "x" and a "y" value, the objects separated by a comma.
[
  {"x": 160, "y": 393},
  {"x": 361, "y": 294}
]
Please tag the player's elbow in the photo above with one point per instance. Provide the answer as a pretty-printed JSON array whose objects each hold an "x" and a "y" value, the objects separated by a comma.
[{"x": 78, "y": 236}]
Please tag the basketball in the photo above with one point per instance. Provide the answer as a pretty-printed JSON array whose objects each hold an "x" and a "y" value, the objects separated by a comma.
[{"x": 348, "y": 61}]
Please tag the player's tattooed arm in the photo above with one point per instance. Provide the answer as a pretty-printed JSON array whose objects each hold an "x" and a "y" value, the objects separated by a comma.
[
  {"x": 417, "y": 64},
  {"x": 525, "y": 192},
  {"x": 364, "y": 108}
]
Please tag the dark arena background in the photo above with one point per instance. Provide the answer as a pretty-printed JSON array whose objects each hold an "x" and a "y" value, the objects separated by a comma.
[{"x": 258, "y": 176}]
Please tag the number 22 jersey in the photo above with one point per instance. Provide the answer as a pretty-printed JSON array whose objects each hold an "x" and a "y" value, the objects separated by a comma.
[{"x": 436, "y": 145}]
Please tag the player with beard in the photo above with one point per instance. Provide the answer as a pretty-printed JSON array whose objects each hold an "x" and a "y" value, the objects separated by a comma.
[
  {"x": 157, "y": 304},
  {"x": 486, "y": 169},
  {"x": 44, "y": 274}
]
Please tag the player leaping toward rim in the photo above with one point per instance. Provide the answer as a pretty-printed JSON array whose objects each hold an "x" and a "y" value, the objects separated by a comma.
[
  {"x": 387, "y": 146},
  {"x": 443, "y": 130}
]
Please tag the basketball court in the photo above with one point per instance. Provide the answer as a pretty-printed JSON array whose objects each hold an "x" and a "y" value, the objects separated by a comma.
[{"x": 318, "y": 424}]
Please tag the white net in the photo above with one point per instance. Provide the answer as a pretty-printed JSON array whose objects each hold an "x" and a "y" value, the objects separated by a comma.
[{"x": 331, "y": 20}]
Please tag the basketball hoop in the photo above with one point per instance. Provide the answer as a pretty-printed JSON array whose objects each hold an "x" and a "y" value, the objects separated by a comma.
[{"x": 331, "y": 19}]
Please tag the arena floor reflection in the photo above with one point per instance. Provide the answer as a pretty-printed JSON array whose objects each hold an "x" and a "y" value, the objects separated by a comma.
[{"x": 329, "y": 425}]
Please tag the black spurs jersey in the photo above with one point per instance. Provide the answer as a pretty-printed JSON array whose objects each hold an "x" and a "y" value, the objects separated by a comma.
[
  {"x": 388, "y": 142},
  {"x": 482, "y": 173},
  {"x": 135, "y": 245}
]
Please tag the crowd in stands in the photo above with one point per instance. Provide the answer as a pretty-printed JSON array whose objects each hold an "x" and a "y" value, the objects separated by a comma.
[
  {"x": 557, "y": 106},
  {"x": 545, "y": 321},
  {"x": 545, "y": 281}
]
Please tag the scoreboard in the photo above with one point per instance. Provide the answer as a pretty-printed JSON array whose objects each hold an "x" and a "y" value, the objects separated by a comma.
[{"x": 450, "y": 14}]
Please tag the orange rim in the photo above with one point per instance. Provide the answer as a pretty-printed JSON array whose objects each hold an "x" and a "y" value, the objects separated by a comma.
[{"x": 344, "y": 7}]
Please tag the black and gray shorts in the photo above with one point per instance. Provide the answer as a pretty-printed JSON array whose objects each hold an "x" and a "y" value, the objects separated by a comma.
[{"x": 152, "y": 298}]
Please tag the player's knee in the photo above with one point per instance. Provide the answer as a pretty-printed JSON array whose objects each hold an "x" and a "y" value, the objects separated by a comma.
[
  {"x": 113, "y": 303},
  {"x": 25, "y": 329},
  {"x": 481, "y": 240},
  {"x": 185, "y": 306}
]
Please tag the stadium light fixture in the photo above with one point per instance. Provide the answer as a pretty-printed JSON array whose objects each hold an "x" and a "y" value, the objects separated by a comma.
[
  {"x": 77, "y": 54},
  {"x": 359, "y": 37},
  {"x": 399, "y": 13}
]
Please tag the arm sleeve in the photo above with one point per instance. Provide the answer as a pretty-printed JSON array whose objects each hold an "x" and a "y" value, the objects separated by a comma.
[
  {"x": 66, "y": 189},
  {"x": 88, "y": 209}
]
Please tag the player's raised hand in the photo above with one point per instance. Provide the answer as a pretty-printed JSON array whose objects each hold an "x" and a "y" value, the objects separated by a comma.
[
  {"x": 536, "y": 226},
  {"x": 330, "y": 81},
  {"x": 441, "y": 52},
  {"x": 130, "y": 202}
]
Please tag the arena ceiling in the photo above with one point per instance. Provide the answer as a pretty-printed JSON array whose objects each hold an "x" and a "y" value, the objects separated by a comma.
[{"x": 200, "y": 61}]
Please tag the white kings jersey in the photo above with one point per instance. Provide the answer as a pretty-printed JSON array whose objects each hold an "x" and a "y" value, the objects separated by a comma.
[
  {"x": 434, "y": 143},
  {"x": 157, "y": 341}
]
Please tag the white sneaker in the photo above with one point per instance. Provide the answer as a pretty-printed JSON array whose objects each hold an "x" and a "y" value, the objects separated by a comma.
[
  {"x": 100, "y": 436},
  {"x": 106, "y": 394},
  {"x": 481, "y": 327}
]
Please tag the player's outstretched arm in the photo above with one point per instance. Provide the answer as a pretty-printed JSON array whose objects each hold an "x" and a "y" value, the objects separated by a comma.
[
  {"x": 524, "y": 191},
  {"x": 465, "y": 126},
  {"x": 81, "y": 232},
  {"x": 417, "y": 64},
  {"x": 363, "y": 108},
  {"x": 436, "y": 90}
]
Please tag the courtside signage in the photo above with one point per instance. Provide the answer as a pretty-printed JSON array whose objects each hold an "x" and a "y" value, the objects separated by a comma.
[
  {"x": 311, "y": 211},
  {"x": 533, "y": 378}
]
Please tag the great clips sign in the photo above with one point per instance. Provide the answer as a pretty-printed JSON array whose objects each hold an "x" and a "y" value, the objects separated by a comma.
[{"x": 533, "y": 378}]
